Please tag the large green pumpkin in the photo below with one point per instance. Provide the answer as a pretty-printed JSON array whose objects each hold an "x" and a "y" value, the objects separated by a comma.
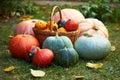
[
  {"x": 92, "y": 46},
  {"x": 56, "y": 43},
  {"x": 66, "y": 57}
]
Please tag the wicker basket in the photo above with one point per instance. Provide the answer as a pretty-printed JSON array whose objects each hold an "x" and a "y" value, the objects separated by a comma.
[{"x": 41, "y": 35}]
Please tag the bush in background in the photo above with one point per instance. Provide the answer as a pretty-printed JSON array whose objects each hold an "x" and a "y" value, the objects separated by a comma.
[{"x": 17, "y": 7}]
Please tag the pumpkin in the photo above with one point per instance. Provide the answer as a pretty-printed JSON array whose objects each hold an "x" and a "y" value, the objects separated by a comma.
[
  {"x": 26, "y": 27},
  {"x": 66, "y": 57},
  {"x": 20, "y": 44},
  {"x": 31, "y": 53},
  {"x": 61, "y": 29},
  {"x": 92, "y": 46},
  {"x": 41, "y": 25},
  {"x": 69, "y": 13},
  {"x": 55, "y": 43},
  {"x": 43, "y": 57},
  {"x": 52, "y": 26},
  {"x": 93, "y": 26}
]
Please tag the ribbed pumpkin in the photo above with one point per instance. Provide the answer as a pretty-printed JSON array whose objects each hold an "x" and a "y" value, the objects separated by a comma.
[
  {"x": 92, "y": 46},
  {"x": 20, "y": 44},
  {"x": 26, "y": 27},
  {"x": 93, "y": 26},
  {"x": 69, "y": 13},
  {"x": 66, "y": 57},
  {"x": 55, "y": 43}
]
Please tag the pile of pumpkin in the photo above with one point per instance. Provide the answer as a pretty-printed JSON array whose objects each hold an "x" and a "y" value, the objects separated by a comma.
[{"x": 92, "y": 43}]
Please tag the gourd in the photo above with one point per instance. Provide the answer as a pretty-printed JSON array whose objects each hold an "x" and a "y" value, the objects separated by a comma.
[
  {"x": 66, "y": 57},
  {"x": 55, "y": 43},
  {"x": 43, "y": 57},
  {"x": 26, "y": 27},
  {"x": 20, "y": 44},
  {"x": 92, "y": 46},
  {"x": 69, "y": 13},
  {"x": 93, "y": 26}
]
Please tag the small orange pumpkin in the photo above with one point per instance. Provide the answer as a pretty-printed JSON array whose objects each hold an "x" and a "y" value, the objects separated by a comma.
[
  {"x": 62, "y": 29},
  {"x": 41, "y": 25},
  {"x": 54, "y": 25}
]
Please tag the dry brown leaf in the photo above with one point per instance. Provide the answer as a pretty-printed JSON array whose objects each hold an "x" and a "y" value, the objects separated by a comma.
[
  {"x": 8, "y": 69},
  {"x": 113, "y": 48},
  {"x": 37, "y": 73},
  {"x": 94, "y": 65}
]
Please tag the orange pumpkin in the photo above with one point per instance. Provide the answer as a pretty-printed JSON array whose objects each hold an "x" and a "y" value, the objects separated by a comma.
[
  {"x": 93, "y": 26},
  {"x": 41, "y": 25},
  {"x": 61, "y": 29},
  {"x": 20, "y": 44},
  {"x": 54, "y": 25}
]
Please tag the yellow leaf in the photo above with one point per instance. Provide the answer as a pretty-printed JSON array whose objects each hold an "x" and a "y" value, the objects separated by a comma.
[
  {"x": 37, "y": 73},
  {"x": 113, "y": 48},
  {"x": 94, "y": 65},
  {"x": 9, "y": 69},
  {"x": 79, "y": 77}
]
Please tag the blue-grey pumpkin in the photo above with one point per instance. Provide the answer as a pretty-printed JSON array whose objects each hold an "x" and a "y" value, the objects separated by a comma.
[
  {"x": 56, "y": 43},
  {"x": 92, "y": 46},
  {"x": 66, "y": 57}
]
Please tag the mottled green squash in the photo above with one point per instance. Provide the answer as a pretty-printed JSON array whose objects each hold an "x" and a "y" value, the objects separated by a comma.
[{"x": 66, "y": 57}]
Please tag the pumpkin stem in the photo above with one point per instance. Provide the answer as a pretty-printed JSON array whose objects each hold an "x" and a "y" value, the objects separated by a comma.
[
  {"x": 57, "y": 34},
  {"x": 96, "y": 28},
  {"x": 88, "y": 35}
]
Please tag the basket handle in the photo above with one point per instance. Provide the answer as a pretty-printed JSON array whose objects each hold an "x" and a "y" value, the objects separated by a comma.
[{"x": 53, "y": 10}]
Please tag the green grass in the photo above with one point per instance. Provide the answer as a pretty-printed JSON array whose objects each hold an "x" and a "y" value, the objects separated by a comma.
[{"x": 110, "y": 70}]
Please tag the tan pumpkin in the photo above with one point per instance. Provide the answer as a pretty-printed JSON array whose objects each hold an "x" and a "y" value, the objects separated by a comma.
[
  {"x": 69, "y": 13},
  {"x": 26, "y": 27},
  {"x": 93, "y": 26}
]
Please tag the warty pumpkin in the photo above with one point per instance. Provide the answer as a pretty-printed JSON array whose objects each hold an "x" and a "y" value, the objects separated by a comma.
[{"x": 93, "y": 26}]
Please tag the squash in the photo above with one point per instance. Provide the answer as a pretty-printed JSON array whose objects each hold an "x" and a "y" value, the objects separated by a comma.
[
  {"x": 32, "y": 51},
  {"x": 69, "y": 13},
  {"x": 93, "y": 26},
  {"x": 55, "y": 43},
  {"x": 92, "y": 46},
  {"x": 20, "y": 44},
  {"x": 66, "y": 57},
  {"x": 41, "y": 25},
  {"x": 53, "y": 26},
  {"x": 25, "y": 27},
  {"x": 43, "y": 57},
  {"x": 62, "y": 29}
]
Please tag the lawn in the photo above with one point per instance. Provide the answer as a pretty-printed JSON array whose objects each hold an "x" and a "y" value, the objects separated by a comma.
[{"x": 109, "y": 71}]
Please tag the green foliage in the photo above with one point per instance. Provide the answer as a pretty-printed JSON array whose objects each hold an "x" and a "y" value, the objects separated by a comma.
[
  {"x": 17, "y": 7},
  {"x": 97, "y": 9}
]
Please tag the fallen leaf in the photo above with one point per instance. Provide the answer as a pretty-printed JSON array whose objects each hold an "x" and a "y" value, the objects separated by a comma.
[
  {"x": 37, "y": 73},
  {"x": 94, "y": 65},
  {"x": 79, "y": 77},
  {"x": 8, "y": 69},
  {"x": 113, "y": 48},
  {"x": 116, "y": 29}
]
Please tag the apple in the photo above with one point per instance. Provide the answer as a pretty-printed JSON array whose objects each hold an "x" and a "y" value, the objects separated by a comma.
[{"x": 71, "y": 25}]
